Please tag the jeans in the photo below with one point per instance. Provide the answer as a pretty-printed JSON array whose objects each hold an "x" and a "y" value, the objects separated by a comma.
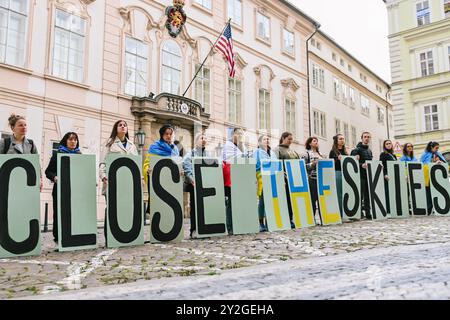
[
  {"x": 190, "y": 189},
  {"x": 228, "y": 209},
  {"x": 261, "y": 208},
  {"x": 339, "y": 189}
]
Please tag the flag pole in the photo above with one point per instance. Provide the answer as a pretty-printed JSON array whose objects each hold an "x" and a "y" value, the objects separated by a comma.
[{"x": 203, "y": 63}]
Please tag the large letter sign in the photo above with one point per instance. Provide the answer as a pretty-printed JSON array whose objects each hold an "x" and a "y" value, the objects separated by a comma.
[
  {"x": 77, "y": 202},
  {"x": 209, "y": 197},
  {"x": 19, "y": 206},
  {"x": 417, "y": 188},
  {"x": 275, "y": 201},
  {"x": 440, "y": 189},
  {"x": 125, "y": 223},
  {"x": 398, "y": 189},
  {"x": 299, "y": 191},
  {"x": 351, "y": 185},
  {"x": 244, "y": 200},
  {"x": 375, "y": 181},
  {"x": 326, "y": 189},
  {"x": 166, "y": 200}
]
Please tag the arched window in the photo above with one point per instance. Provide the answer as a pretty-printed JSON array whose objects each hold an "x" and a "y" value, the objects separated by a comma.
[{"x": 171, "y": 68}]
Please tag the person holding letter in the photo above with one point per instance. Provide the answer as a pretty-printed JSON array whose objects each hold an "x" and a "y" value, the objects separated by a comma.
[
  {"x": 408, "y": 153},
  {"x": 337, "y": 151},
  {"x": 262, "y": 153},
  {"x": 69, "y": 144}
]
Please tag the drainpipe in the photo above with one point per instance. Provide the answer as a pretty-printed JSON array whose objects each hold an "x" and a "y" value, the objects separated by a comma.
[
  {"x": 316, "y": 26},
  {"x": 387, "y": 111}
]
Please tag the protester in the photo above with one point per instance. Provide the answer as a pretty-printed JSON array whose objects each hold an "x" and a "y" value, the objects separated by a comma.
[
  {"x": 337, "y": 152},
  {"x": 408, "y": 153},
  {"x": 284, "y": 152},
  {"x": 69, "y": 144},
  {"x": 118, "y": 143},
  {"x": 17, "y": 143},
  {"x": 262, "y": 153},
  {"x": 312, "y": 157},
  {"x": 231, "y": 151},
  {"x": 363, "y": 154},
  {"x": 385, "y": 156},
  {"x": 199, "y": 151}
]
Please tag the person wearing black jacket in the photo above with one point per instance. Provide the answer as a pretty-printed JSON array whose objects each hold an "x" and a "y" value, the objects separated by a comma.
[
  {"x": 69, "y": 144},
  {"x": 363, "y": 154},
  {"x": 385, "y": 156},
  {"x": 337, "y": 152}
]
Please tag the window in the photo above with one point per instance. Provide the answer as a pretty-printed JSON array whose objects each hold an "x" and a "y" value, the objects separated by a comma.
[
  {"x": 342, "y": 62},
  {"x": 344, "y": 93},
  {"x": 346, "y": 132},
  {"x": 427, "y": 63},
  {"x": 290, "y": 115},
  {"x": 313, "y": 42},
  {"x": 334, "y": 56},
  {"x": 203, "y": 87},
  {"x": 379, "y": 89},
  {"x": 235, "y": 99},
  {"x": 318, "y": 77},
  {"x": 362, "y": 77},
  {"x": 380, "y": 115},
  {"x": 337, "y": 126},
  {"x": 171, "y": 68},
  {"x": 68, "y": 51},
  {"x": 319, "y": 123},
  {"x": 350, "y": 68},
  {"x": 336, "y": 88},
  {"x": 235, "y": 11},
  {"x": 288, "y": 42},
  {"x": 447, "y": 8},
  {"x": 431, "y": 118},
  {"x": 319, "y": 45},
  {"x": 13, "y": 29},
  {"x": 135, "y": 67},
  {"x": 205, "y": 3},
  {"x": 353, "y": 136},
  {"x": 423, "y": 13},
  {"x": 352, "y": 96},
  {"x": 264, "y": 109},
  {"x": 365, "y": 105},
  {"x": 263, "y": 27}
]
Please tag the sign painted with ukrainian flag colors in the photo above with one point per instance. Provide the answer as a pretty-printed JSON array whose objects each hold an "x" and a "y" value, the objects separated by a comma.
[
  {"x": 244, "y": 200},
  {"x": 275, "y": 199},
  {"x": 351, "y": 185},
  {"x": 327, "y": 193},
  {"x": 299, "y": 192},
  {"x": 20, "y": 233}
]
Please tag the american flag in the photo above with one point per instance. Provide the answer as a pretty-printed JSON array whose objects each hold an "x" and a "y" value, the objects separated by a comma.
[{"x": 225, "y": 45}]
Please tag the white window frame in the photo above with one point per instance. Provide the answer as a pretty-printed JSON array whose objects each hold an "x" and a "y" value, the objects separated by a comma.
[
  {"x": 289, "y": 108},
  {"x": 139, "y": 55},
  {"x": 346, "y": 132},
  {"x": 260, "y": 17},
  {"x": 288, "y": 50},
  {"x": 318, "y": 75},
  {"x": 320, "y": 123},
  {"x": 172, "y": 69},
  {"x": 365, "y": 109},
  {"x": 380, "y": 115},
  {"x": 234, "y": 101},
  {"x": 264, "y": 109},
  {"x": 21, "y": 44},
  {"x": 203, "y": 88},
  {"x": 71, "y": 34},
  {"x": 345, "y": 92},
  {"x": 354, "y": 137},
  {"x": 336, "y": 88},
  {"x": 425, "y": 18},
  {"x": 352, "y": 96},
  {"x": 337, "y": 126},
  {"x": 428, "y": 117},
  {"x": 427, "y": 63},
  {"x": 232, "y": 9},
  {"x": 207, "y": 4}
]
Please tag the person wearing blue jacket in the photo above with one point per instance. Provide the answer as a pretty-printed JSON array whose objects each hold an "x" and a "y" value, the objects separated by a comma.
[
  {"x": 262, "y": 153},
  {"x": 408, "y": 153}
]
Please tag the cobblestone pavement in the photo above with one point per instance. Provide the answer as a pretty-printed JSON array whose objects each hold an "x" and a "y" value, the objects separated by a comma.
[{"x": 411, "y": 254}]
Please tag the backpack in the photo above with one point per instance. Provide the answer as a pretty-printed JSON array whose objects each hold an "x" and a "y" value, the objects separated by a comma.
[{"x": 8, "y": 144}]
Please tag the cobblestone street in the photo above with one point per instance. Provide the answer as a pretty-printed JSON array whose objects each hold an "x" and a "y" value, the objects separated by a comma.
[{"x": 359, "y": 260}]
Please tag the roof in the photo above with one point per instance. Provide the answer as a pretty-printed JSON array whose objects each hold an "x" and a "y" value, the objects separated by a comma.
[{"x": 300, "y": 12}]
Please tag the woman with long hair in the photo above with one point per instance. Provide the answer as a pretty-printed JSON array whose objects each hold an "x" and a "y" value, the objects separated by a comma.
[
  {"x": 337, "y": 152},
  {"x": 262, "y": 153},
  {"x": 385, "y": 156},
  {"x": 408, "y": 153},
  {"x": 312, "y": 157},
  {"x": 69, "y": 144}
]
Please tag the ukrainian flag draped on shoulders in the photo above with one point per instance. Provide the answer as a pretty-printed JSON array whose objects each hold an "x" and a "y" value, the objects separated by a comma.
[{"x": 162, "y": 149}]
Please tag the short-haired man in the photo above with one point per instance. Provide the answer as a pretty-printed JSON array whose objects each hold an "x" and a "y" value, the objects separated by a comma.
[{"x": 363, "y": 154}]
